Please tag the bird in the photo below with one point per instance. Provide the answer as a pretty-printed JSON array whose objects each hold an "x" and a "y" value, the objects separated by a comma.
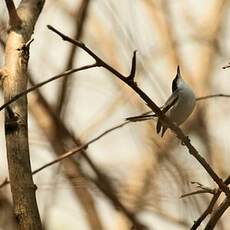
[{"x": 178, "y": 106}]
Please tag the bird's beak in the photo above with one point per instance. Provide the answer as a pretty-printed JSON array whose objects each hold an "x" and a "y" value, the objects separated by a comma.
[{"x": 178, "y": 70}]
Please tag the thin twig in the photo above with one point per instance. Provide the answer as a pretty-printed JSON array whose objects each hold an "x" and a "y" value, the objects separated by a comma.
[
  {"x": 212, "y": 96},
  {"x": 66, "y": 73},
  {"x": 78, "y": 149},
  {"x": 73, "y": 151},
  {"x": 201, "y": 186},
  {"x": 99, "y": 61},
  {"x": 201, "y": 191}
]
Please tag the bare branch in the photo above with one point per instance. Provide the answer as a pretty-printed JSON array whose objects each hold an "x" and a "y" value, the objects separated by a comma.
[
  {"x": 217, "y": 214},
  {"x": 210, "y": 207},
  {"x": 184, "y": 139},
  {"x": 78, "y": 149},
  {"x": 201, "y": 186},
  {"x": 65, "y": 74},
  {"x": 197, "y": 192},
  {"x": 99, "y": 61},
  {"x": 207, "y": 211},
  {"x": 212, "y": 96}
]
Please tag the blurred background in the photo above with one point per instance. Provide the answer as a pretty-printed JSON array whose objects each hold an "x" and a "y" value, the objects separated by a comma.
[{"x": 147, "y": 173}]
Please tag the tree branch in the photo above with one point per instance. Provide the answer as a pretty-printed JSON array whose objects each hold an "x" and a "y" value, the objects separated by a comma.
[
  {"x": 78, "y": 149},
  {"x": 212, "y": 96},
  {"x": 207, "y": 211},
  {"x": 196, "y": 193},
  {"x": 80, "y": 17},
  {"x": 217, "y": 214},
  {"x": 202, "y": 189},
  {"x": 210, "y": 207},
  {"x": 25, "y": 92},
  {"x": 184, "y": 139},
  {"x": 98, "y": 60}
]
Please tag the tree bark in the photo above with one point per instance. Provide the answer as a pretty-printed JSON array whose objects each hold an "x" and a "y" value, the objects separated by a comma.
[{"x": 14, "y": 73}]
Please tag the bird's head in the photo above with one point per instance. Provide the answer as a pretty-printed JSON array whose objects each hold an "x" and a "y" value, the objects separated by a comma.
[{"x": 177, "y": 81}]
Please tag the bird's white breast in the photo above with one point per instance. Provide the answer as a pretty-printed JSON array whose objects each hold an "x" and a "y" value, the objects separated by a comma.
[{"x": 183, "y": 107}]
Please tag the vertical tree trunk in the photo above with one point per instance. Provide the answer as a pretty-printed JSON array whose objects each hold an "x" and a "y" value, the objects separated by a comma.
[{"x": 22, "y": 23}]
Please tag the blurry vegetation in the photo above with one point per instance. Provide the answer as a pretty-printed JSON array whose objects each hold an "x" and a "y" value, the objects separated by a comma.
[{"x": 130, "y": 169}]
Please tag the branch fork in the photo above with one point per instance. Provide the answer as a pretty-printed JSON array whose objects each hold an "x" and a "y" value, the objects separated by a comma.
[{"x": 201, "y": 189}]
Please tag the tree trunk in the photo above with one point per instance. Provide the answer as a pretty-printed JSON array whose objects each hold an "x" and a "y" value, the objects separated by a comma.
[{"x": 14, "y": 75}]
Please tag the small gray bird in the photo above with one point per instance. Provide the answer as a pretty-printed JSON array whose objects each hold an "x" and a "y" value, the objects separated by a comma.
[{"x": 177, "y": 108}]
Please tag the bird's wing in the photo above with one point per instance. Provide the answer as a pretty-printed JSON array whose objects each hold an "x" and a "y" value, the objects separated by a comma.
[
  {"x": 168, "y": 104},
  {"x": 171, "y": 101}
]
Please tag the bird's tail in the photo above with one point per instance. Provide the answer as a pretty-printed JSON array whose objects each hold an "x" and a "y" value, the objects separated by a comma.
[{"x": 141, "y": 118}]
